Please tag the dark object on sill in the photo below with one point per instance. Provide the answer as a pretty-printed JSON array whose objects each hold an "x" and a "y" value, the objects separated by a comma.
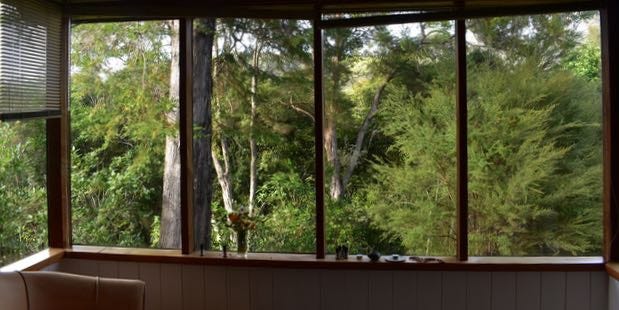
[
  {"x": 201, "y": 249},
  {"x": 374, "y": 256},
  {"x": 359, "y": 256},
  {"x": 395, "y": 258},
  {"x": 428, "y": 260},
  {"x": 225, "y": 250},
  {"x": 341, "y": 252}
]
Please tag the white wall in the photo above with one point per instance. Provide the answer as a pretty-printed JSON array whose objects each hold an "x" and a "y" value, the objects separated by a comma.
[
  {"x": 613, "y": 292},
  {"x": 173, "y": 286}
]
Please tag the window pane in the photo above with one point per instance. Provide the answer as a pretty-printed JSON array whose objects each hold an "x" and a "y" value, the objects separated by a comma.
[
  {"x": 23, "y": 194},
  {"x": 125, "y": 157},
  {"x": 535, "y": 136},
  {"x": 256, "y": 132},
  {"x": 390, "y": 139}
]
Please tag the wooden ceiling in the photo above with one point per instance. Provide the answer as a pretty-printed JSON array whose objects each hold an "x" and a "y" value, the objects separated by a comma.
[{"x": 101, "y": 9}]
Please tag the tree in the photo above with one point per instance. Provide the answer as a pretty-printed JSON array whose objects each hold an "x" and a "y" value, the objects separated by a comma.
[
  {"x": 23, "y": 207},
  {"x": 170, "y": 235},
  {"x": 534, "y": 152},
  {"x": 202, "y": 90},
  {"x": 119, "y": 99}
]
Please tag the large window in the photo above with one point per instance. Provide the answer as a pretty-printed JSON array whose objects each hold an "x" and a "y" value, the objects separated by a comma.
[
  {"x": 390, "y": 138},
  {"x": 254, "y": 134},
  {"x": 435, "y": 140},
  {"x": 124, "y": 125},
  {"x": 534, "y": 135},
  {"x": 23, "y": 195},
  {"x": 390, "y": 131},
  {"x": 30, "y": 39}
]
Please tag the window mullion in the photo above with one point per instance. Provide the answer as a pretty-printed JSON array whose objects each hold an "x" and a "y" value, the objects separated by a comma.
[
  {"x": 58, "y": 156},
  {"x": 609, "y": 28},
  {"x": 186, "y": 132},
  {"x": 461, "y": 146},
  {"x": 319, "y": 139}
]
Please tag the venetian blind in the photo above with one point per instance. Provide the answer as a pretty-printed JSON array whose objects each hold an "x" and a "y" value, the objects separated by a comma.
[{"x": 30, "y": 58}]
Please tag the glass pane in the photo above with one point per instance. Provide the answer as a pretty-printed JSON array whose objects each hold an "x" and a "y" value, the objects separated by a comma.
[
  {"x": 124, "y": 120},
  {"x": 254, "y": 134},
  {"x": 23, "y": 192},
  {"x": 390, "y": 139},
  {"x": 535, "y": 136}
]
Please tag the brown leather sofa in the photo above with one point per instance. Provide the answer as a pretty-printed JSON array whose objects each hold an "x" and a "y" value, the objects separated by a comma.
[{"x": 40, "y": 290}]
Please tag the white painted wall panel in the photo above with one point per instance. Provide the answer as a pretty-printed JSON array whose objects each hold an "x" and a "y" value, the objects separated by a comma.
[
  {"x": 553, "y": 291},
  {"x": 479, "y": 290},
  {"x": 528, "y": 290},
  {"x": 216, "y": 287},
  {"x": 193, "y": 292},
  {"x": 578, "y": 291},
  {"x": 128, "y": 270},
  {"x": 380, "y": 289},
  {"x": 52, "y": 267},
  {"x": 239, "y": 294},
  {"x": 261, "y": 288},
  {"x": 174, "y": 286},
  {"x": 344, "y": 289},
  {"x": 88, "y": 267},
  {"x": 599, "y": 291},
  {"x": 613, "y": 294},
  {"x": 150, "y": 273},
  {"x": 429, "y": 290},
  {"x": 405, "y": 290},
  {"x": 503, "y": 291},
  {"x": 296, "y": 289},
  {"x": 454, "y": 290},
  {"x": 108, "y": 269}
]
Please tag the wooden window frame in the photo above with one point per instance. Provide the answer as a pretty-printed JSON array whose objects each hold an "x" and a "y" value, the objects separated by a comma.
[{"x": 59, "y": 137}]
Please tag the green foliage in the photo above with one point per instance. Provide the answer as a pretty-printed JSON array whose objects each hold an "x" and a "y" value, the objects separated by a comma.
[
  {"x": 534, "y": 137},
  {"x": 23, "y": 203},
  {"x": 534, "y": 149},
  {"x": 586, "y": 61},
  {"x": 119, "y": 129}
]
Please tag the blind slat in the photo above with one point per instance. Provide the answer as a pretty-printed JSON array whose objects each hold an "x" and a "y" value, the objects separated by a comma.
[{"x": 30, "y": 57}]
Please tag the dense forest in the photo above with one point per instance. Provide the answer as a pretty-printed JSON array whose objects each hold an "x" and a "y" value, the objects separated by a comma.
[{"x": 534, "y": 138}]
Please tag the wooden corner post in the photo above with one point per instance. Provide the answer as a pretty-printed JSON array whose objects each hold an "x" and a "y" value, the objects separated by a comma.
[
  {"x": 610, "y": 100},
  {"x": 186, "y": 132},
  {"x": 462, "y": 205},
  {"x": 319, "y": 138},
  {"x": 58, "y": 156}
]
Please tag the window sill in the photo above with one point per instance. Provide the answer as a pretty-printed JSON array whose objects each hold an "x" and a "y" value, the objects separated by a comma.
[
  {"x": 36, "y": 261},
  {"x": 278, "y": 260},
  {"x": 612, "y": 269}
]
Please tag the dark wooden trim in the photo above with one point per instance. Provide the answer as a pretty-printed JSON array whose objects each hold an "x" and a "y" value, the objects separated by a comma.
[
  {"x": 463, "y": 13},
  {"x": 613, "y": 270},
  {"x": 128, "y": 11},
  {"x": 431, "y": 10},
  {"x": 58, "y": 153},
  {"x": 462, "y": 205},
  {"x": 36, "y": 261},
  {"x": 13, "y": 116},
  {"x": 319, "y": 142},
  {"x": 610, "y": 100},
  {"x": 309, "y": 261},
  {"x": 186, "y": 132}
]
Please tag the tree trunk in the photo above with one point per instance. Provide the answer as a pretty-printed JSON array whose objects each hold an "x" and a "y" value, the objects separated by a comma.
[
  {"x": 202, "y": 119},
  {"x": 223, "y": 176},
  {"x": 170, "y": 234},
  {"x": 335, "y": 189},
  {"x": 253, "y": 149},
  {"x": 363, "y": 130}
]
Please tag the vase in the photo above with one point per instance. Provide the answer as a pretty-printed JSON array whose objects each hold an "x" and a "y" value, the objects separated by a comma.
[{"x": 241, "y": 243}]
